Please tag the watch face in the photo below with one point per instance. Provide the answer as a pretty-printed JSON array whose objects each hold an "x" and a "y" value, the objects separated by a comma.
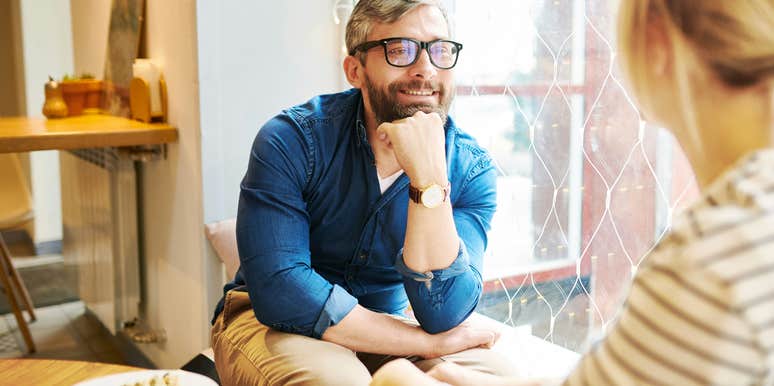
[{"x": 432, "y": 196}]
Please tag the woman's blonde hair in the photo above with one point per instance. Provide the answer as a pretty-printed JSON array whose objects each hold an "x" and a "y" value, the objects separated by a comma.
[{"x": 734, "y": 39}]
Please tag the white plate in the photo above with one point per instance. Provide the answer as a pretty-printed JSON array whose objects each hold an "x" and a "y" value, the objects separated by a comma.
[{"x": 184, "y": 378}]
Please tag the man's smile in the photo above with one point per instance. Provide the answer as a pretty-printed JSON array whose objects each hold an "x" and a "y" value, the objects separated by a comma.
[{"x": 418, "y": 92}]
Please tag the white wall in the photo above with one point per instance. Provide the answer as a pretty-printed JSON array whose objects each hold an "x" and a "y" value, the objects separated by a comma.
[
  {"x": 173, "y": 223},
  {"x": 255, "y": 59},
  {"x": 47, "y": 49}
]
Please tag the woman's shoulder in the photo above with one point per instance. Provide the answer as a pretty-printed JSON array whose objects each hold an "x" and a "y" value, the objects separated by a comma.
[
  {"x": 735, "y": 217},
  {"x": 731, "y": 240},
  {"x": 728, "y": 235}
]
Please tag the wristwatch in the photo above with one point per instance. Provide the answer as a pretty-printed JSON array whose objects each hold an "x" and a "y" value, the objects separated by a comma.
[{"x": 430, "y": 196}]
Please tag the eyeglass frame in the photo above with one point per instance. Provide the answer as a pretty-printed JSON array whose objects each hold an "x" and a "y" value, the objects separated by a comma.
[{"x": 423, "y": 46}]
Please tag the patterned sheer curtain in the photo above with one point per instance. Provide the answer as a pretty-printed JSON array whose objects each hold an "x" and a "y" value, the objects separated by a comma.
[{"x": 586, "y": 188}]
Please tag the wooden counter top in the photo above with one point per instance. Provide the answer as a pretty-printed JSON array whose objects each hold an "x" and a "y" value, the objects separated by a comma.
[{"x": 86, "y": 131}]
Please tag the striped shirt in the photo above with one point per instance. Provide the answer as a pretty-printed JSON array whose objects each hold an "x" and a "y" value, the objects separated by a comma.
[{"x": 701, "y": 307}]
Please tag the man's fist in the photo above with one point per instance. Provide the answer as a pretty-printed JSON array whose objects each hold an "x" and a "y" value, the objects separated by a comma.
[{"x": 419, "y": 145}]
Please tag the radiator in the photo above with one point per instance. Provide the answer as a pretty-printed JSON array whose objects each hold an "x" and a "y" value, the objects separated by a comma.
[{"x": 100, "y": 236}]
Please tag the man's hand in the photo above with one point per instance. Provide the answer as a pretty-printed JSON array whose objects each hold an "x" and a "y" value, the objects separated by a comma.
[
  {"x": 456, "y": 375},
  {"x": 461, "y": 338},
  {"x": 419, "y": 145},
  {"x": 401, "y": 372}
]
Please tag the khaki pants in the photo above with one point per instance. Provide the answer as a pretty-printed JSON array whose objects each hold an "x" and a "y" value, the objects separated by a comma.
[{"x": 250, "y": 353}]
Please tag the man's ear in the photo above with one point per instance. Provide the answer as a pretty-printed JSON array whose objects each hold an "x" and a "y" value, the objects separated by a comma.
[{"x": 353, "y": 69}]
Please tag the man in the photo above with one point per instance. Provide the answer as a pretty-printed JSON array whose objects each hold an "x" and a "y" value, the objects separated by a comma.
[{"x": 355, "y": 205}]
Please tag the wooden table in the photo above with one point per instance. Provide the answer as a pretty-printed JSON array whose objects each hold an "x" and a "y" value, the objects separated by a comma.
[
  {"x": 43, "y": 372},
  {"x": 85, "y": 131}
]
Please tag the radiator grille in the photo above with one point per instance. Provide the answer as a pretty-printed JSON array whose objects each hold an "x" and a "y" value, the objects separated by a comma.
[{"x": 99, "y": 213}]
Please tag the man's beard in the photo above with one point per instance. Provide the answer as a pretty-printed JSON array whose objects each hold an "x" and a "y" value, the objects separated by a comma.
[{"x": 387, "y": 109}]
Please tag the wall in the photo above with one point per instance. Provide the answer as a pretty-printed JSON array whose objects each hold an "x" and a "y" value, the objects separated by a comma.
[
  {"x": 12, "y": 71},
  {"x": 46, "y": 50},
  {"x": 11, "y": 68},
  {"x": 255, "y": 59},
  {"x": 12, "y": 100},
  {"x": 173, "y": 200}
]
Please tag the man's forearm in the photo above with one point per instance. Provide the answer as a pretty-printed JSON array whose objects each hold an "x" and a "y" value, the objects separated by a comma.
[
  {"x": 418, "y": 145},
  {"x": 431, "y": 238},
  {"x": 363, "y": 330},
  {"x": 367, "y": 331}
]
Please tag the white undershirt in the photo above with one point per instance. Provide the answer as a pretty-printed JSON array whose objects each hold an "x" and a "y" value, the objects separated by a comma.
[{"x": 386, "y": 182}]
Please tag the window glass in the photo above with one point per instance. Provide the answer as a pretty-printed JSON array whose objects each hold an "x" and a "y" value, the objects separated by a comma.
[{"x": 585, "y": 188}]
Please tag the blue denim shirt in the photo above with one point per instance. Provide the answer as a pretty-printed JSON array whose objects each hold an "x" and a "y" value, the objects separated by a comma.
[{"x": 316, "y": 236}]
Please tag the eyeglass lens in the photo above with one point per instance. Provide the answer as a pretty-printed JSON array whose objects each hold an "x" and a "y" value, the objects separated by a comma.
[{"x": 402, "y": 52}]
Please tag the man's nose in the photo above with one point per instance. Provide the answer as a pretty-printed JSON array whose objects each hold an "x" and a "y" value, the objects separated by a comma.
[{"x": 423, "y": 67}]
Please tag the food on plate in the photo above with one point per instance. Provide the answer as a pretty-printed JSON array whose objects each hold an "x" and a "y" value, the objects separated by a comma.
[{"x": 167, "y": 379}]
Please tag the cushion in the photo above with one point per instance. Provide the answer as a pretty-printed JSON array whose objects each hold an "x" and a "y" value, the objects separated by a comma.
[{"x": 222, "y": 236}]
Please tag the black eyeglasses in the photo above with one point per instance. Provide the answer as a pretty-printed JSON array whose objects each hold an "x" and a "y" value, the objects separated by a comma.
[{"x": 403, "y": 52}]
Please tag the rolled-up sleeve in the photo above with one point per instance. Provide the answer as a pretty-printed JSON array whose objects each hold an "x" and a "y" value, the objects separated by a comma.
[
  {"x": 273, "y": 236},
  {"x": 442, "y": 299}
]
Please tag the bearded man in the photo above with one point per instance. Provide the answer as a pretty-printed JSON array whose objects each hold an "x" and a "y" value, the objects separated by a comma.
[{"x": 356, "y": 205}]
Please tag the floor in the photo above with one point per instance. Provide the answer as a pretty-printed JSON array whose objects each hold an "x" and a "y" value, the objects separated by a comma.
[{"x": 62, "y": 331}]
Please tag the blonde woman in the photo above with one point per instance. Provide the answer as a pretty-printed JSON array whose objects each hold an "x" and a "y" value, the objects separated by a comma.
[{"x": 701, "y": 309}]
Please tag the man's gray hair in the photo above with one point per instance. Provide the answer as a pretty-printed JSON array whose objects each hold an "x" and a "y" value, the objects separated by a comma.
[{"x": 368, "y": 12}]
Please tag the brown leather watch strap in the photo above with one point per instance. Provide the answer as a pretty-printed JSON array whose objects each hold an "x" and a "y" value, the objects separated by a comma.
[{"x": 415, "y": 194}]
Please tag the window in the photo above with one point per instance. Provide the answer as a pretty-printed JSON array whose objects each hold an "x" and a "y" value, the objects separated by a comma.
[{"x": 585, "y": 190}]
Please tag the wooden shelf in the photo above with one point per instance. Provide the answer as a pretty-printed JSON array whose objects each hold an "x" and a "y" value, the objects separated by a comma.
[{"x": 85, "y": 131}]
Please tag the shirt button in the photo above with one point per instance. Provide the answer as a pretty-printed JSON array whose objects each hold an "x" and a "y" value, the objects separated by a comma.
[{"x": 363, "y": 256}]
